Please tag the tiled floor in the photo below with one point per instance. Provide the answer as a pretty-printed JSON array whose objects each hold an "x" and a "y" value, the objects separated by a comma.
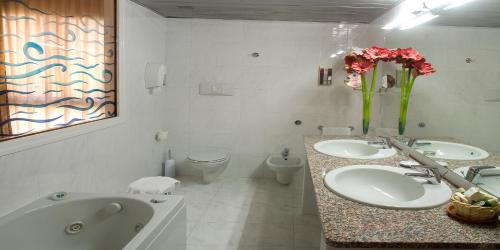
[{"x": 247, "y": 214}]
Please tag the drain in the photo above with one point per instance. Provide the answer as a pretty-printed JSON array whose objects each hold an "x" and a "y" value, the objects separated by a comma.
[
  {"x": 74, "y": 228},
  {"x": 138, "y": 227}
]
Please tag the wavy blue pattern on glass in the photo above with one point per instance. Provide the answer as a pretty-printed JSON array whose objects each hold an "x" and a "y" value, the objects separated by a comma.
[
  {"x": 71, "y": 34},
  {"x": 103, "y": 105},
  {"x": 14, "y": 35},
  {"x": 87, "y": 100},
  {"x": 17, "y": 18},
  {"x": 68, "y": 83},
  {"x": 28, "y": 120},
  {"x": 17, "y": 64},
  {"x": 97, "y": 116},
  {"x": 35, "y": 9},
  {"x": 94, "y": 90},
  {"x": 78, "y": 27},
  {"x": 70, "y": 122},
  {"x": 104, "y": 73},
  {"x": 39, "y": 49},
  {"x": 104, "y": 97},
  {"x": 83, "y": 18},
  {"x": 24, "y": 113},
  {"x": 47, "y": 76},
  {"x": 4, "y": 92},
  {"x": 16, "y": 84},
  {"x": 98, "y": 42},
  {"x": 27, "y": 105},
  {"x": 29, "y": 7},
  {"x": 36, "y": 71},
  {"x": 52, "y": 91},
  {"x": 110, "y": 52},
  {"x": 85, "y": 67}
]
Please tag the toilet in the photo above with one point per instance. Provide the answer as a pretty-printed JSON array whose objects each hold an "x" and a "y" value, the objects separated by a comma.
[{"x": 211, "y": 164}]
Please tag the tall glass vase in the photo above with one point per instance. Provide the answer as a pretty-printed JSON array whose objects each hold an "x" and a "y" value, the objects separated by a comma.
[
  {"x": 367, "y": 99},
  {"x": 366, "y": 115},
  {"x": 407, "y": 82}
]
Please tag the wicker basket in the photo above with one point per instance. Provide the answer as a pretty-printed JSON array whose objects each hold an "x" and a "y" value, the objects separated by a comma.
[{"x": 472, "y": 212}]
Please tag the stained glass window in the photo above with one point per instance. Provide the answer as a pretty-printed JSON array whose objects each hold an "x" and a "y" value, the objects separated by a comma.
[{"x": 57, "y": 64}]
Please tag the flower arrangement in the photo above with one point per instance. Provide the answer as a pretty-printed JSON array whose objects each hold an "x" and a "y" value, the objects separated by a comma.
[{"x": 413, "y": 65}]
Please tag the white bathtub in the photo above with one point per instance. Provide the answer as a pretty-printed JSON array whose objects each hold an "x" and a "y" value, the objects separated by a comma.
[{"x": 140, "y": 224}]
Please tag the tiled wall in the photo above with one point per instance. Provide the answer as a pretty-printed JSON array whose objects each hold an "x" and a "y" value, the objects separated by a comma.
[
  {"x": 272, "y": 91},
  {"x": 109, "y": 159},
  {"x": 452, "y": 101}
]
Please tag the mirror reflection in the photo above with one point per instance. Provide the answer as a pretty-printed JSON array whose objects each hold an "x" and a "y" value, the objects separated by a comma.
[{"x": 453, "y": 115}]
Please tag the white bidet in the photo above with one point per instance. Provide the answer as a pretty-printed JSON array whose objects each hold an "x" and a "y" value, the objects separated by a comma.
[{"x": 284, "y": 167}]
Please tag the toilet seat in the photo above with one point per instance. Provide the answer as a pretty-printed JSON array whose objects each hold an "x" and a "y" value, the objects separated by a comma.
[{"x": 207, "y": 157}]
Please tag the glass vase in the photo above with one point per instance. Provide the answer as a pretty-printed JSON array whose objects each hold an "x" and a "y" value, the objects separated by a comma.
[{"x": 366, "y": 115}]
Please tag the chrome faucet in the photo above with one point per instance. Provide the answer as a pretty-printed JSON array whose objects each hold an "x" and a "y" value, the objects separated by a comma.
[
  {"x": 474, "y": 171},
  {"x": 414, "y": 141},
  {"x": 431, "y": 174},
  {"x": 382, "y": 141},
  {"x": 285, "y": 153}
]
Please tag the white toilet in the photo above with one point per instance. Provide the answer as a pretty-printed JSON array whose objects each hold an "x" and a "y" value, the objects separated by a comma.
[{"x": 211, "y": 164}]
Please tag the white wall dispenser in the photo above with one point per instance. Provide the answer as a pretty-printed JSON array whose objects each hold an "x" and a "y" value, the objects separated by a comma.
[{"x": 155, "y": 76}]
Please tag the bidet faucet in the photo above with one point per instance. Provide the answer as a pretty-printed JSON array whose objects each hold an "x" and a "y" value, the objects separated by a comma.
[
  {"x": 285, "y": 153},
  {"x": 434, "y": 178}
]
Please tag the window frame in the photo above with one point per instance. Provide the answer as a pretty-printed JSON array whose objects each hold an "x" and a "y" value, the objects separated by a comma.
[{"x": 37, "y": 140}]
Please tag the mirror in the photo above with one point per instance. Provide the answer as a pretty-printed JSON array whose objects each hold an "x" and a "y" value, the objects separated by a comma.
[{"x": 455, "y": 112}]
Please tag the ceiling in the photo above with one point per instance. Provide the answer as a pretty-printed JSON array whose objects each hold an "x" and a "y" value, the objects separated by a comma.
[
  {"x": 479, "y": 13},
  {"x": 352, "y": 11}
]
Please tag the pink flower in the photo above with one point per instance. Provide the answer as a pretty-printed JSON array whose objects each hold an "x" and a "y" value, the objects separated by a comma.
[
  {"x": 422, "y": 68},
  {"x": 375, "y": 54},
  {"x": 407, "y": 55},
  {"x": 362, "y": 66}
]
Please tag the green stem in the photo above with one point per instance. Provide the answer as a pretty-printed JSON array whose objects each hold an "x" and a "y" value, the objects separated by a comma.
[
  {"x": 367, "y": 98},
  {"x": 405, "y": 100}
]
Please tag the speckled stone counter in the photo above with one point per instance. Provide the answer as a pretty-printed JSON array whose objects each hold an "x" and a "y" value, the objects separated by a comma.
[{"x": 348, "y": 224}]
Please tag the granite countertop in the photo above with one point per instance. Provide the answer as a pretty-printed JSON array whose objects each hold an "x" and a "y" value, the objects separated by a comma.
[{"x": 348, "y": 224}]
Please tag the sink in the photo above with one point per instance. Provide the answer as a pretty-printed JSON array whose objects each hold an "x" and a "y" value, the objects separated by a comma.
[
  {"x": 353, "y": 149},
  {"x": 450, "y": 150},
  {"x": 386, "y": 187},
  {"x": 489, "y": 180}
]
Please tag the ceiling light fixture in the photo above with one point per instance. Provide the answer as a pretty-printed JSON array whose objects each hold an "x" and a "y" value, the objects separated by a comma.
[
  {"x": 457, "y": 3},
  {"x": 416, "y": 12},
  {"x": 418, "y": 20}
]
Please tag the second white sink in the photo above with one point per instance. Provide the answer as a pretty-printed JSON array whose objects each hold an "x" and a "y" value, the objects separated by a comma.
[
  {"x": 450, "y": 150},
  {"x": 386, "y": 187},
  {"x": 353, "y": 149}
]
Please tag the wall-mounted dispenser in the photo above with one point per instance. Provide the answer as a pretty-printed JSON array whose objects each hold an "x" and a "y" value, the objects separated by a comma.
[
  {"x": 155, "y": 76},
  {"x": 325, "y": 76}
]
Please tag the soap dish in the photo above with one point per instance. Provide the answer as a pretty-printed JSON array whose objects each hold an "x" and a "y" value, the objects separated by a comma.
[{"x": 452, "y": 211}]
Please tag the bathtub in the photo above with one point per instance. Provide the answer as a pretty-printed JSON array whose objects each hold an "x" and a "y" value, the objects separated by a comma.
[{"x": 96, "y": 221}]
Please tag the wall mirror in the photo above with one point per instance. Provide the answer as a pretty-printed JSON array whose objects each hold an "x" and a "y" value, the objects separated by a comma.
[{"x": 455, "y": 112}]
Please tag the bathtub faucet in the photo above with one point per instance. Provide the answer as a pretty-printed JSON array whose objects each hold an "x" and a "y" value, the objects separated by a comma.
[{"x": 285, "y": 153}]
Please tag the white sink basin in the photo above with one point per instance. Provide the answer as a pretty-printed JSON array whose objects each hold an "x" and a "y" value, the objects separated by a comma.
[
  {"x": 353, "y": 149},
  {"x": 450, "y": 150},
  {"x": 488, "y": 179},
  {"x": 386, "y": 187}
]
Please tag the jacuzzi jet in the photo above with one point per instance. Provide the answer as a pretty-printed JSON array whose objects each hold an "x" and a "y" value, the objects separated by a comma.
[
  {"x": 74, "y": 228},
  {"x": 138, "y": 227}
]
